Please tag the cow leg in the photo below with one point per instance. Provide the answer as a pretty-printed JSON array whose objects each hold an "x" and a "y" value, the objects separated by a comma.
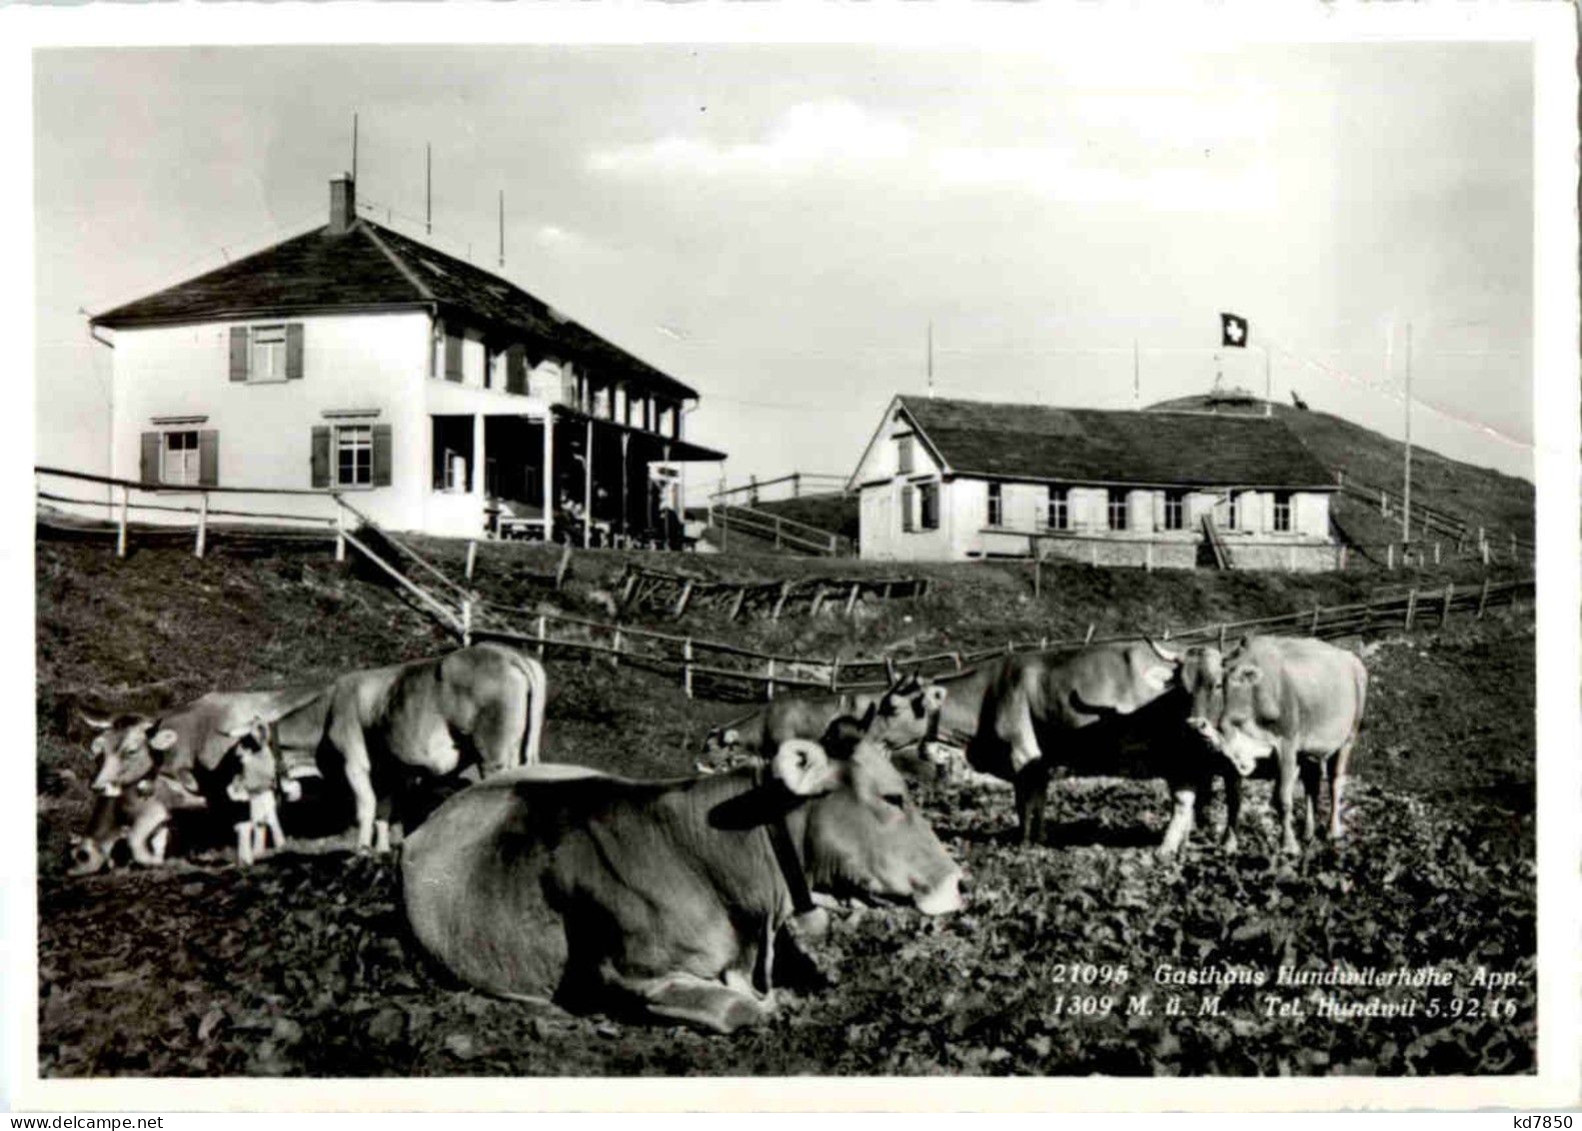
[
  {"x": 1186, "y": 797},
  {"x": 144, "y": 826},
  {"x": 244, "y": 842},
  {"x": 1312, "y": 782},
  {"x": 714, "y": 1005},
  {"x": 1285, "y": 799},
  {"x": 1032, "y": 787},
  {"x": 1228, "y": 841},
  {"x": 1338, "y": 767}
]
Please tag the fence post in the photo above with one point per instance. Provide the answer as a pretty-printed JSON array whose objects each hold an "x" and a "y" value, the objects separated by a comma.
[
  {"x": 889, "y": 670},
  {"x": 1514, "y": 558},
  {"x": 1484, "y": 546},
  {"x": 1436, "y": 553},
  {"x": 203, "y": 522},
  {"x": 834, "y": 545},
  {"x": 780, "y": 601},
  {"x": 1444, "y": 610},
  {"x": 466, "y": 622},
  {"x": 340, "y": 530},
  {"x": 681, "y": 601},
  {"x": 851, "y": 599},
  {"x": 1343, "y": 556},
  {"x": 563, "y": 568},
  {"x": 1384, "y": 503},
  {"x": 1389, "y": 556},
  {"x": 1411, "y": 607},
  {"x": 1316, "y": 609},
  {"x": 472, "y": 557},
  {"x": 1043, "y": 643},
  {"x": 818, "y": 601},
  {"x": 777, "y": 532},
  {"x": 120, "y": 538},
  {"x": 834, "y": 674},
  {"x": 543, "y": 634},
  {"x": 1483, "y": 599},
  {"x": 615, "y": 657},
  {"x": 1088, "y": 639},
  {"x": 1222, "y": 637},
  {"x": 1038, "y": 578},
  {"x": 796, "y": 484},
  {"x": 769, "y": 684},
  {"x": 686, "y": 666}
]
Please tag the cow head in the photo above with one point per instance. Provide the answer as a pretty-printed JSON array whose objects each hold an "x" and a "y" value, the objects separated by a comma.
[
  {"x": 721, "y": 739},
  {"x": 1240, "y": 736},
  {"x": 130, "y": 748},
  {"x": 251, "y": 761},
  {"x": 904, "y": 715},
  {"x": 863, "y": 837},
  {"x": 1203, "y": 678}
]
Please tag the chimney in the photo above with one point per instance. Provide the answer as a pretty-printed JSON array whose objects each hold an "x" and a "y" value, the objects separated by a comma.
[{"x": 343, "y": 204}]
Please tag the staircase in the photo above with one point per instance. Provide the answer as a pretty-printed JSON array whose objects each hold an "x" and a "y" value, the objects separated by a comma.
[
  {"x": 758, "y": 529},
  {"x": 1216, "y": 544}
]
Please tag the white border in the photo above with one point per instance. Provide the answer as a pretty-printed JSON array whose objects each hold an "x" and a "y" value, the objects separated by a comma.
[{"x": 1551, "y": 27}]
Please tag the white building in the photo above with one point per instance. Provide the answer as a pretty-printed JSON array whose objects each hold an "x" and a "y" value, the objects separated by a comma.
[
  {"x": 431, "y": 391},
  {"x": 953, "y": 479}
]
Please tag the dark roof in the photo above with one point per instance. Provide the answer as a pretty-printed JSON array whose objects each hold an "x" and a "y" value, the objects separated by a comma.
[
  {"x": 373, "y": 267},
  {"x": 1085, "y": 445}
]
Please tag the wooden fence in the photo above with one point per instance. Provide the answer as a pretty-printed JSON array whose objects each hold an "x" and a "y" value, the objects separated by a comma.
[
  {"x": 786, "y": 533},
  {"x": 711, "y": 666},
  {"x": 675, "y": 593}
]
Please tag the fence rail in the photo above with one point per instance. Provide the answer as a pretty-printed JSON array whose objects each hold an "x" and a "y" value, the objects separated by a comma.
[
  {"x": 779, "y": 529},
  {"x": 675, "y": 593},
  {"x": 820, "y": 482}
]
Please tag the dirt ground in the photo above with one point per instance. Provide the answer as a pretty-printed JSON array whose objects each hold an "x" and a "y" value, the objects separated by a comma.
[{"x": 302, "y": 965}]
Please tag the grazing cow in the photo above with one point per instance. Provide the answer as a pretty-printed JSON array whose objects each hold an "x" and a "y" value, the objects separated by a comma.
[
  {"x": 670, "y": 897},
  {"x": 483, "y": 704},
  {"x": 897, "y": 717},
  {"x": 140, "y": 809},
  {"x": 1299, "y": 700},
  {"x": 1083, "y": 712}
]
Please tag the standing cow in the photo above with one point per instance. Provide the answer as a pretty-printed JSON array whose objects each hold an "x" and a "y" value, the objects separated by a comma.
[
  {"x": 1081, "y": 712},
  {"x": 1298, "y": 700},
  {"x": 900, "y": 716},
  {"x": 483, "y": 704},
  {"x": 668, "y": 898}
]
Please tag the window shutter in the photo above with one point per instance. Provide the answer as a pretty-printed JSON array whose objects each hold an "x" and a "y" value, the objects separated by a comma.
[
  {"x": 238, "y": 353},
  {"x": 452, "y": 356},
  {"x": 293, "y": 351},
  {"x": 931, "y": 507},
  {"x": 321, "y": 455},
  {"x": 209, "y": 458},
  {"x": 148, "y": 471},
  {"x": 907, "y": 507},
  {"x": 382, "y": 455},
  {"x": 516, "y": 369}
]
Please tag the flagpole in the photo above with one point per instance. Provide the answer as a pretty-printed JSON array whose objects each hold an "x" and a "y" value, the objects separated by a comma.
[
  {"x": 1268, "y": 385},
  {"x": 930, "y": 359},
  {"x": 1406, "y": 494},
  {"x": 1137, "y": 377}
]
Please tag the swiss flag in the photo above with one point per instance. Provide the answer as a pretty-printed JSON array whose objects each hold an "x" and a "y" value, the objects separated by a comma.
[{"x": 1233, "y": 330}]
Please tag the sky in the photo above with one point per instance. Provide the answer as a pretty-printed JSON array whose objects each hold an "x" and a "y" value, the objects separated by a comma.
[{"x": 779, "y": 226}]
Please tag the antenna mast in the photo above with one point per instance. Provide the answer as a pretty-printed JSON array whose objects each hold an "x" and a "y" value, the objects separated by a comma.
[{"x": 354, "y": 149}]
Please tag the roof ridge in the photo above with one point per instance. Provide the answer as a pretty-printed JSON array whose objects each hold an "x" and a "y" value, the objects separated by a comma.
[{"x": 396, "y": 261}]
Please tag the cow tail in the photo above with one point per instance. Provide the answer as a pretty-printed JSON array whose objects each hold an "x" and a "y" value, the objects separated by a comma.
[
  {"x": 537, "y": 682},
  {"x": 1361, "y": 676}
]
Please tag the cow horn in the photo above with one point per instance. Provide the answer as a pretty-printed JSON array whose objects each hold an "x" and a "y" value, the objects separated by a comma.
[
  {"x": 96, "y": 724},
  {"x": 1164, "y": 653}
]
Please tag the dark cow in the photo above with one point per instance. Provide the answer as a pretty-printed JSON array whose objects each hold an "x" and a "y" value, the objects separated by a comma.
[
  {"x": 668, "y": 897},
  {"x": 1298, "y": 700},
  {"x": 483, "y": 704},
  {"x": 1085, "y": 712},
  {"x": 899, "y": 716}
]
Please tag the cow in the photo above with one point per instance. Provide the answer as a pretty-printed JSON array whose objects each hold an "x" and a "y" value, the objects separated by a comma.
[
  {"x": 900, "y": 716},
  {"x": 1084, "y": 711},
  {"x": 483, "y": 704},
  {"x": 136, "y": 798},
  {"x": 668, "y": 897},
  {"x": 1299, "y": 700}
]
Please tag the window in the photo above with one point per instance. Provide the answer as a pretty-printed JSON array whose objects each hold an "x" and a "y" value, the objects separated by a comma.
[
  {"x": 1232, "y": 510},
  {"x": 354, "y": 455},
  {"x": 996, "y": 505},
  {"x": 904, "y": 459},
  {"x": 178, "y": 462},
  {"x": 266, "y": 354},
  {"x": 1282, "y": 510},
  {"x": 908, "y": 509},
  {"x": 928, "y": 501},
  {"x": 1175, "y": 510},
  {"x": 1117, "y": 508},
  {"x": 1059, "y": 510}
]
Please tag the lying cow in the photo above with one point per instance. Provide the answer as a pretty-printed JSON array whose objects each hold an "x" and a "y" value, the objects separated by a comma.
[
  {"x": 1298, "y": 700},
  {"x": 1082, "y": 712},
  {"x": 670, "y": 897},
  {"x": 434, "y": 717},
  {"x": 139, "y": 809},
  {"x": 897, "y": 717}
]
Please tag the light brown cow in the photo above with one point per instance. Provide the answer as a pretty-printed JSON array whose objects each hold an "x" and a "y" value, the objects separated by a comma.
[
  {"x": 664, "y": 898},
  {"x": 1297, "y": 700},
  {"x": 899, "y": 716}
]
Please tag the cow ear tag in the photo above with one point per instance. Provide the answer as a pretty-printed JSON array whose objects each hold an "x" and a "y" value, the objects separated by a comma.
[{"x": 163, "y": 739}]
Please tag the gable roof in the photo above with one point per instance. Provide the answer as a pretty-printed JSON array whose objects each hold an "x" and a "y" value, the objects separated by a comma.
[
  {"x": 1085, "y": 445},
  {"x": 371, "y": 267}
]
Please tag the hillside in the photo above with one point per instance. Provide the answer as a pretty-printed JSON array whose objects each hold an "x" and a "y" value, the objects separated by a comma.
[{"x": 1478, "y": 495}]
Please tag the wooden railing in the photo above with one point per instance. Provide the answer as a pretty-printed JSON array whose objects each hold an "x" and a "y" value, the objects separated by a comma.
[
  {"x": 783, "y": 532},
  {"x": 816, "y": 482}
]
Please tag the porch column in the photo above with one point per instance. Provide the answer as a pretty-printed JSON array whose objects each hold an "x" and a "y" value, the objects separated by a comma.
[
  {"x": 478, "y": 480},
  {"x": 626, "y": 479},
  {"x": 587, "y": 488},
  {"x": 549, "y": 476}
]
